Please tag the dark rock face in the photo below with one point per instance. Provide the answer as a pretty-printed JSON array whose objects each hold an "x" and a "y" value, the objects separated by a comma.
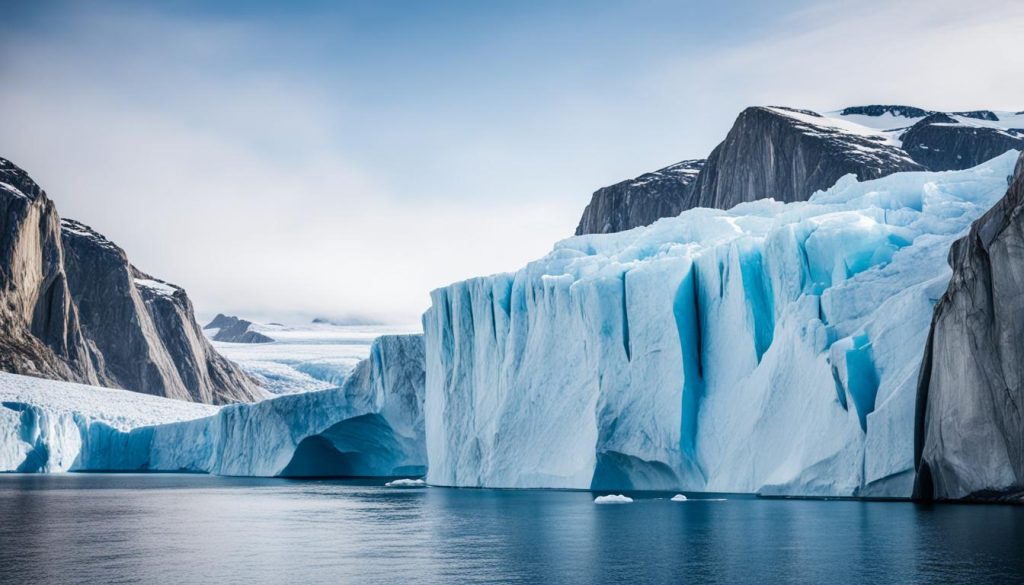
[
  {"x": 979, "y": 115},
  {"x": 75, "y": 309},
  {"x": 787, "y": 155},
  {"x": 880, "y": 110},
  {"x": 235, "y": 330},
  {"x": 941, "y": 143},
  {"x": 40, "y": 334},
  {"x": 640, "y": 201},
  {"x": 969, "y": 428}
]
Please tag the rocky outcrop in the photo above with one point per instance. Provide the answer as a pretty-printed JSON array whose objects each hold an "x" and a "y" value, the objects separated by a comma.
[
  {"x": 876, "y": 110},
  {"x": 969, "y": 427},
  {"x": 40, "y": 333},
  {"x": 73, "y": 308},
  {"x": 941, "y": 143},
  {"x": 788, "y": 155},
  {"x": 235, "y": 330},
  {"x": 640, "y": 201}
]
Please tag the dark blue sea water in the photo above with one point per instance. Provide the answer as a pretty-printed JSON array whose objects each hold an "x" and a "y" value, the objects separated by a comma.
[{"x": 201, "y": 529}]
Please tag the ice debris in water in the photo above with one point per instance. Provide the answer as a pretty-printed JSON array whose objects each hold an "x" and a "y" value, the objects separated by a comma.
[
  {"x": 406, "y": 483},
  {"x": 679, "y": 498},
  {"x": 613, "y": 499}
]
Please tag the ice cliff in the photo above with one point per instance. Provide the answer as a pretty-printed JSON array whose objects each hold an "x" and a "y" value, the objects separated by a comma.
[
  {"x": 771, "y": 348},
  {"x": 371, "y": 426}
]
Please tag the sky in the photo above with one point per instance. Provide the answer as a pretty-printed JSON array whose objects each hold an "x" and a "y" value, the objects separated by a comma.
[{"x": 342, "y": 159}]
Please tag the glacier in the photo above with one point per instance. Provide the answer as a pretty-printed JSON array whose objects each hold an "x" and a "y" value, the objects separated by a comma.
[
  {"x": 772, "y": 348},
  {"x": 370, "y": 426},
  {"x": 313, "y": 356}
]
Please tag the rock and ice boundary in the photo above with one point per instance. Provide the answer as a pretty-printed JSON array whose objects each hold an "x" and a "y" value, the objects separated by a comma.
[{"x": 771, "y": 348}]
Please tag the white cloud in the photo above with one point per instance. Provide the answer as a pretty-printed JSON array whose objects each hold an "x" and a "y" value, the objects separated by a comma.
[
  {"x": 235, "y": 186},
  {"x": 263, "y": 187},
  {"x": 940, "y": 54}
]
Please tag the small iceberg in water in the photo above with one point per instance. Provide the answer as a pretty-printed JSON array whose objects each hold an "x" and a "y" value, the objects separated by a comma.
[
  {"x": 406, "y": 483},
  {"x": 613, "y": 499},
  {"x": 679, "y": 498}
]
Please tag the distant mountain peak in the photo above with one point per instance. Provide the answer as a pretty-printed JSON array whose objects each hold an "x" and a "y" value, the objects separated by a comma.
[{"x": 877, "y": 110}]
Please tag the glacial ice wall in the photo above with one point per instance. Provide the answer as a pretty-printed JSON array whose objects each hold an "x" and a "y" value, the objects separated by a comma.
[
  {"x": 372, "y": 425},
  {"x": 43, "y": 423},
  {"x": 771, "y": 348}
]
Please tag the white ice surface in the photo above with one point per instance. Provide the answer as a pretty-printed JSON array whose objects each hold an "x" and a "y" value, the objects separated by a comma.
[
  {"x": 375, "y": 418},
  {"x": 406, "y": 483},
  {"x": 613, "y": 499},
  {"x": 53, "y": 416},
  {"x": 307, "y": 357}
]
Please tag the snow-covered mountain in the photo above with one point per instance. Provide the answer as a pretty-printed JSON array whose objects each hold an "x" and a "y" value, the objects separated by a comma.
[
  {"x": 788, "y": 154},
  {"x": 72, "y": 307},
  {"x": 234, "y": 330}
]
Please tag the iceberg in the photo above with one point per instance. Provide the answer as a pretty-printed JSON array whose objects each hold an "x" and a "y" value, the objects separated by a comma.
[
  {"x": 772, "y": 348},
  {"x": 406, "y": 483},
  {"x": 371, "y": 426},
  {"x": 613, "y": 499}
]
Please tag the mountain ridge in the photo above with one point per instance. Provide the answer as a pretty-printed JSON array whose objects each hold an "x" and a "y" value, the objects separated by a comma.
[
  {"x": 74, "y": 308},
  {"x": 790, "y": 153}
]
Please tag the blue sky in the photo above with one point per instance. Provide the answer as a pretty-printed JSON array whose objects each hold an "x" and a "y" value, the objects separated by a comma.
[{"x": 343, "y": 158}]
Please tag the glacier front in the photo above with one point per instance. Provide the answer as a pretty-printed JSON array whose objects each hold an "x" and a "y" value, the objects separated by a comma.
[
  {"x": 371, "y": 426},
  {"x": 771, "y": 348}
]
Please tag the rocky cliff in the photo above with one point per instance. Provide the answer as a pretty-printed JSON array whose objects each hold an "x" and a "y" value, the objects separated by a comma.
[
  {"x": 788, "y": 154},
  {"x": 969, "y": 427},
  {"x": 40, "y": 333},
  {"x": 73, "y": 308},
  {"x": 640, "y": 201},
  {"x": 941, "y": 143}
]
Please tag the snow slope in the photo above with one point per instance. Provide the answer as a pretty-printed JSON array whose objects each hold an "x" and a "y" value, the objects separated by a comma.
[
  {"x": 771, "y": 348},
  {"x": 305, "y": 358}
]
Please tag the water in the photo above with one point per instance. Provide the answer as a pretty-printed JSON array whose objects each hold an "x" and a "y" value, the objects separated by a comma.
[{"x": 201, "y": 529}]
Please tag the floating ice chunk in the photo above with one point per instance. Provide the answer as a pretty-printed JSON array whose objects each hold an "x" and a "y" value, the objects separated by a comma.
[
  {"x": 406, "y": 483},
  {"x": 613, "y": 499},
  {"x": 679, "y": 498}
]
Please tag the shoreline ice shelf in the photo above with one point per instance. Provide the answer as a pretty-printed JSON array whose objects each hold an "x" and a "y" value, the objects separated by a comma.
[
  {"x": 772, "y": 348},
  {"x": 372, "y": 426}
]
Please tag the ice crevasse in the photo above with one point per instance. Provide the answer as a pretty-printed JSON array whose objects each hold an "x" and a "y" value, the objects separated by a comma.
[
  {"x": 371, "y": 426},
  {"x": 771, "y": 348}
]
